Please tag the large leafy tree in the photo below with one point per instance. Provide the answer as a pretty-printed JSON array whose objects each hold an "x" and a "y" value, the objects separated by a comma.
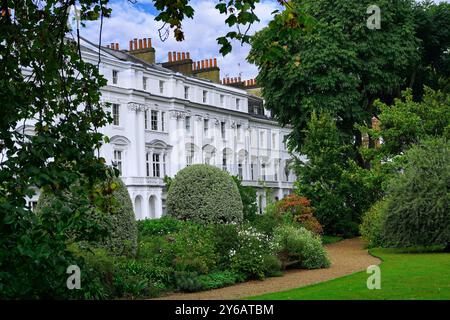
[
  {"x": 339, "y": 189},
  {"x": 45, "y": 85},
  {"x": 337, "y": 64}
]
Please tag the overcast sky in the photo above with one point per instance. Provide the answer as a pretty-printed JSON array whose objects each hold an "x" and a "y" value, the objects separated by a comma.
[{"x": 130, "y": 20}]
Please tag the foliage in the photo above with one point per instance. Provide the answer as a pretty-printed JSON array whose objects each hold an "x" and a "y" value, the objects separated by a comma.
[
  {"x": 135, "y": 278},
  {"x": 272, "y": 266},
  {"x": 301, "y": 212},
  {"x": 193, "y": 249},
  {"x": 249, "y": 255},
  {"x": 192, "y": 282},
  {"x": 123, "y": 233},
  {"x": 433, "y": 29},
  {"x": 219, "y": 279},
  {"x": 60, "y": 94},
  {"x": 225, "y": 239},
  {"x": 338, "y": 188},
  {"x": 248, "y": 197},
  {"x": 371, "y": 228},
  {"x": 337, "y": 65},
  {"x": 418, "y": 210},
  {"x": 161, "y": 227},
  {"x": 204, "y": 194},
  {"x": 269, "y": 220},
  {"x": 299, "y": 247},
  {"x": 406, "y": 122},
  {"x": 97, "y": 273},
  {"x": 113, "y": 212}
]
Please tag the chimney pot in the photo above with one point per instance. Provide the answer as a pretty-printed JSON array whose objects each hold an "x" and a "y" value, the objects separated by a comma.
[
  {"x": 131, "y": 45},
  {"x": 203, "y": 64},
  {"x": 178, "y": 56},
  {"x": 183, "y": 55},
  {"x": 140, "y": 43},
  {"x": 145, "y": 43},
  {"x": 170, "y": 56},
  {"x": 149, "y": 42},
  {"x": 117, "y": 46},
  {"x": 198, "y": 65},
  {"x": 188, "y": 55},
  {"x": 210, "y": 63},
  {"x": 215, "y": 62},
  {"x": 135, "y": 45}
]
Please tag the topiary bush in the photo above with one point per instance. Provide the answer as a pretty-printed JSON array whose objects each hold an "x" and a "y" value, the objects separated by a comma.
[
  {"x": 123, "y": 228},
  {"x": 371, "y": 228},
  {"x": 418, "y": 212},
  {"x": 299, "y": 247},
  {"x": 112, "y": 212},
  {"x": 204, "y": 194}
]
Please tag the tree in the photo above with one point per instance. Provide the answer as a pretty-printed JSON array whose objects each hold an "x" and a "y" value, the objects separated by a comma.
[
  {"x": 45, "y": 84},
  {"x": 337, "y": 65},
  {"x": 433, "y": 29},
  {"x": 338, "y": 188}
]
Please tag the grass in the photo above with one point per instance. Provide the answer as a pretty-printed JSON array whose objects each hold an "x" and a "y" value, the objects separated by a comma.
[{"x": 404, "y": 276}]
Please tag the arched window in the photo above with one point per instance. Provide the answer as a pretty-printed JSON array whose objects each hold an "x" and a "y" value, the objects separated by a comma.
[
  {"x": 138, "y": 207},
  {"x": 152, "y": 206}
]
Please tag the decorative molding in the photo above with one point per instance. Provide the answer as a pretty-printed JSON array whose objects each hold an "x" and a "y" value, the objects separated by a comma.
[
  {"x": 138, "y": 107},
  {"x": 178, "y": 114}
]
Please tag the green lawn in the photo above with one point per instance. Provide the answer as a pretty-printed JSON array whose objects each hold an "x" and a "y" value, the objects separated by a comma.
[{"x": 403, "y": 276}]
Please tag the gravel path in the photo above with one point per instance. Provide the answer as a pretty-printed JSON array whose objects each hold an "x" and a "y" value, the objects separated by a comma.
[{"x": 347, "y": 257}]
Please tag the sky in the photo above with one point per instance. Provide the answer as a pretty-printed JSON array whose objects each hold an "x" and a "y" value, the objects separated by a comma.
[
  {"x": 136, "y": 20},
  {"x": 130, "y": 21}
]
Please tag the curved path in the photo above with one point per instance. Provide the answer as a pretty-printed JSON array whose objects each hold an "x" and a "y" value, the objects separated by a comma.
[{"x": 347, "y": 257}]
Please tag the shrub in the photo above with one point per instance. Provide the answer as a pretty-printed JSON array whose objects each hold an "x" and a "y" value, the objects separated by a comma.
[
  {"x": 248, "y": 197},
  {"x": 301, "y": 211},
  {"x": 267, "y": 222},
  {"x": 159, "y": 227},
  {"x": 113, "y": 212},
  {"x": 187, "y": 281},
  {"x": 272, "y": 266},
  {"x": 299, "y": 247},
  {"x": 225, "y": 239},
  {"x": 219, "y": 279},
  {"x": 135, "y": 278},
  {"x": 193, "y": 249},
  {"x": 371, "y": 228},
  {"x": 248, "y": 257},
  {"x": 204, "y": 194},
  {"x": 123, "y": 227},
  {"x": 97, "y": 272},
  {"x": 418, "y": 212}
]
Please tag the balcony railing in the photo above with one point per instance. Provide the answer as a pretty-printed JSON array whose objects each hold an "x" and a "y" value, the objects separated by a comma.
[{"x": 143, "y": 181}]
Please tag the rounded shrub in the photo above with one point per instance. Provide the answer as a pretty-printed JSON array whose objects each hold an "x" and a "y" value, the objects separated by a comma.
[
  {"x": 299, "y": 247},
  {"x": 205, "y": 194},
  {"x": 418, "y": 212},
  {"x": 371, "y": 228},
  {"x": 112, "y": 213},
  {"x": 123, "y": 233}
]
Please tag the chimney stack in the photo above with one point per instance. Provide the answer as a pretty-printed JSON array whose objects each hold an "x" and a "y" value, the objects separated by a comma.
[
  {"x": 142, "y": 49},
  {"x": 179, "y": 62}
]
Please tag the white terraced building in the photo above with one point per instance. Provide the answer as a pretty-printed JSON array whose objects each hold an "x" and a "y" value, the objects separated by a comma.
[{"x": 171, "y": 115}]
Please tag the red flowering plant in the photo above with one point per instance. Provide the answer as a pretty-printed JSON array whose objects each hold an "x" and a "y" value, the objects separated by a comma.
[{"x": 301, "y": 211}]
